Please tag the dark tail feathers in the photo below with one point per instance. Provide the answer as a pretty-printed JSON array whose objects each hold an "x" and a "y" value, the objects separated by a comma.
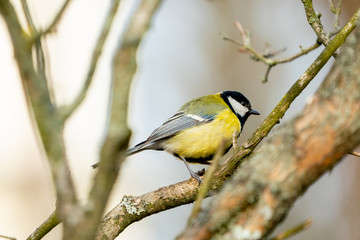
[{"x": 138, "y": 148}]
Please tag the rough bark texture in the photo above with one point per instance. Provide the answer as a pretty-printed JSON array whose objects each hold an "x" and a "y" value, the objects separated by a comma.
[{"x": 263, "y": 190}]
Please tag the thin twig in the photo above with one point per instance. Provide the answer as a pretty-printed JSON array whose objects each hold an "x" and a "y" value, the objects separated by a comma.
[
  {"x": 51, "y": 27},
  {"x": 266, "y": 77},
  {"x": 336, "y": 11},
  {"x": 245, "y": 46},
  {"x": 66, "y": 111},
  {"x": 39, "y": 53},
  {"x": 294, "y": 230},
  {"x": 268, "y": 61},
  {"x": 315, "y": 22},
  {"x": 205, "y": 187},
  {"x": 303, "y": 51},
  {"x": 28, "y": 14},
  {"x": 56, "y": 19},
  {"x": 357, "y": 154},
  {"x": 7, "y": 237},
  {"x": 51, "y": 222}
]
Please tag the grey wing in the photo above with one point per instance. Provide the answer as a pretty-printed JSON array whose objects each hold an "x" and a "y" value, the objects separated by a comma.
[{"x": 180, "y": 121}]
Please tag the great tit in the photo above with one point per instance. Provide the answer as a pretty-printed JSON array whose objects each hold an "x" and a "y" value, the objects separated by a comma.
[{"x": 200, "y": 127}]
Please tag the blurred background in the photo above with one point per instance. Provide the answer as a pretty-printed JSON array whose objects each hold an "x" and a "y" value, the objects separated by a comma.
[{"x": 181, "y": 57}]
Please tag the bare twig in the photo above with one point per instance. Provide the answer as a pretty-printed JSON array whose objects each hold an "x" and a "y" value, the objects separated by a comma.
[
  {"x": 51, "y": 222},
  {"x": 357, "y": 154},
  {"x": 7, "y": 237},
  {"x": 205, "y": 187},
  {"x": 266, "y": 58},
  {"x": 28, "y": 14},
  {"x": 245, "y": 45},
  {"x": 55, "y": 21},
  {"x": 35, "y": 37},
  {"x": 302, "y": 52},
  {"x": 336, "y": 10},
  {"x": 39, "y": 53},
  {"x": 315, "y": 22},
  {"x": 66, "y": 111},
  {"x": 266, "y": 76},
  {"x": 292, "y": 231}
]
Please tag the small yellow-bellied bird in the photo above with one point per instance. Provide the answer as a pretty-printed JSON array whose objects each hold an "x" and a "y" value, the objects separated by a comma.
[{"x": 200, "y": 127}]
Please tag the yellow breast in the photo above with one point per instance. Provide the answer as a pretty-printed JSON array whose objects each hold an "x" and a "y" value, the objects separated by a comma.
[{"x": 204, "y": 140}]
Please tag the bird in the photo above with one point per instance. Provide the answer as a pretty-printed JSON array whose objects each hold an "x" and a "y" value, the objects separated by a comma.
[{"x": 199, "y": 128}]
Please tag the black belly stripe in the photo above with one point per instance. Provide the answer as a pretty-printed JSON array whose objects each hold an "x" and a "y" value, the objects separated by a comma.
[{"x": 205, "y": 160}]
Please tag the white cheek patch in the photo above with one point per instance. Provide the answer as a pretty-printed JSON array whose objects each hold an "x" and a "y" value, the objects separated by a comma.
[{"x": 238, "y": 107}]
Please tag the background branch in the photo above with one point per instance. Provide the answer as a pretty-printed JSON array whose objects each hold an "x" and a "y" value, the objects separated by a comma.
[
  {"x": 66, "y": 111},
  {"x": 337, "y": 11},
  {"x": 39, "y": 54},
  {"x": 52, "y": 26},
  {"x": 43, "y": 111},
  {"x": 292, "y": 231}
]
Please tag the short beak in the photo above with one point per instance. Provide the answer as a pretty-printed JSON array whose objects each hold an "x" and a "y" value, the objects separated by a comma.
[{"x": 254, "y": 112}]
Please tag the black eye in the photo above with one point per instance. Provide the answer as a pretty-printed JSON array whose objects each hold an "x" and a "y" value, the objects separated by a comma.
[{"x": 243, "y": 103}]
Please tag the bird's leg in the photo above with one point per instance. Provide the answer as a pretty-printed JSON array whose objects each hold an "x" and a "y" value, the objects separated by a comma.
[{"x": 192, "y": 173}]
